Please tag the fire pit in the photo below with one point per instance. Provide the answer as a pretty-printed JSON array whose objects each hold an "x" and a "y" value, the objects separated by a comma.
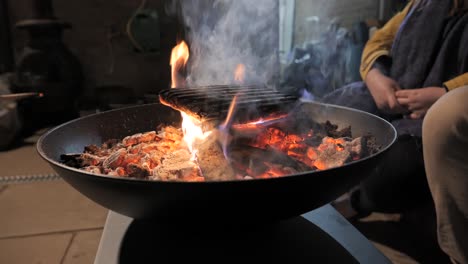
[{"x": 217, "y": 202}]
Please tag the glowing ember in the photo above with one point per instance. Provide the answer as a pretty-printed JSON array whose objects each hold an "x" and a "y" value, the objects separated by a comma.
[{"x": 271, "y": 152}]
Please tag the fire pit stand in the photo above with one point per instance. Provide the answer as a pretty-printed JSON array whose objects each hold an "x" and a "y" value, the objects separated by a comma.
[{"x": 319, "y": 236}]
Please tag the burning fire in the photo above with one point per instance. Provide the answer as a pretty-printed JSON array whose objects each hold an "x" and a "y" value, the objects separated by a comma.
[
  {"x": 265, "y": 148},
  {"x": 239, "y": 73},
  {"x": 179, "y": 57},
  {"x": 192, "y": 132},
  {"x": 266, "y": 138},
  {"x": 260, "y": 123},
  {"x": 191, "y": 127}
]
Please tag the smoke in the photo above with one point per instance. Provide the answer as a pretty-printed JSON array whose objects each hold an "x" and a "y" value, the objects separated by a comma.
[{"x": 225, "y": 33}]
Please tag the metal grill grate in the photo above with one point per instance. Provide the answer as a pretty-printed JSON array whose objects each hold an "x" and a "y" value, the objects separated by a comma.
[{"x": 212, "y": 102}]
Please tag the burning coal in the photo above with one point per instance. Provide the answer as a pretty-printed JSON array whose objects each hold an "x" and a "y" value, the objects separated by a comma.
[{"x": 257, "y": 150}]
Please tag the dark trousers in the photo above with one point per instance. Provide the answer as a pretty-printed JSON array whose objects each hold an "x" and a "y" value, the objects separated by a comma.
[{"x": 398, "y": 183}]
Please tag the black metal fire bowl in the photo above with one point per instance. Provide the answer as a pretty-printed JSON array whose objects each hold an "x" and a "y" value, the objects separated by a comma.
[{"x": 213, "y": 203}]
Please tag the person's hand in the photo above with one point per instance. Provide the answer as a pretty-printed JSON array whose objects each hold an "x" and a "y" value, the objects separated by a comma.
[
  {"x": 382, "y": 89},
  {"x": 418, "y": 101}
]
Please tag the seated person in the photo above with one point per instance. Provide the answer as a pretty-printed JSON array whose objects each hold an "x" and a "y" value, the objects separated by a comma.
[
  {"x": 445, "y": 141},
  {"x": 407, "y": 65}
]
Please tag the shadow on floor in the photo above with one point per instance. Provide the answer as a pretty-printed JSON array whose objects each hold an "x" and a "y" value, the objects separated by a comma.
[{"x": 413, "y": 235}]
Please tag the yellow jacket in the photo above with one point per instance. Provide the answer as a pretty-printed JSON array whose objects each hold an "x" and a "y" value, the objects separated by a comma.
[{"x": 381, "y": 43}]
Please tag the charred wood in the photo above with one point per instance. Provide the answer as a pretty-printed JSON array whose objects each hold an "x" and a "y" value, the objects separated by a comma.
[{"x": 212, "y": 163}]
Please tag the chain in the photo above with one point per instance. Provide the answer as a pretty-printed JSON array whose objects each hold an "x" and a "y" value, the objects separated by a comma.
[{"x": 17, "y": 179}]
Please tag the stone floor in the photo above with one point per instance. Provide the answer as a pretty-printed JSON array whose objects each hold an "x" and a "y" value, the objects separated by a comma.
[
  {"x": 50, "y": 222},
  {"x": 44, "y": 222}
]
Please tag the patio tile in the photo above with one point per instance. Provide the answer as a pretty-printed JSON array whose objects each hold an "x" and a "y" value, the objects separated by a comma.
[
  {"x": 83, "y": 248},
  {"x": 43, "y": 249},
  {"x": 23, "y": 161},
  {"x": 44, "y": 207}
]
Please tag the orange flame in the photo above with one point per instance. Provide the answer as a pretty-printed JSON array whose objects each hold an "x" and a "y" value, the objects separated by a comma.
[
  {"x": 259, "y": 123},
  {"x": 179, "y": 57},
  {"x": 193, "y": 132},
  {"x": 230, "y": 115},
  {"x": 191, "y": 127},
  {"x": 239, "y": 73}
]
